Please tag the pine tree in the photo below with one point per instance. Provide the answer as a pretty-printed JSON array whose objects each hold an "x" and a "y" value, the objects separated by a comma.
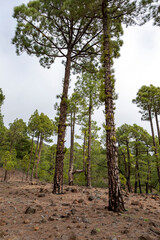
[{"x": 51, "y": 29}]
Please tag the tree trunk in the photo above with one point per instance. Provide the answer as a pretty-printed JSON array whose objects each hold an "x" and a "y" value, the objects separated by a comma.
[
  {"x": 30, "y": 159},
  {"x": 58, "y": 176},
  {"x": 115, "y": 198},
  {"x": 39, "y": 155},
  {"x": 125, "y": 166},
  {"x": 35, "y": 157},
  {"x": 5, "y": 175},
  {"x": 70, "y": 173},
  {"x": 157, "y": 124},
  {"x": 148, "y": 180},
  {"x": 155, "y": 147},
  {"x": 89, "y": 146},
  {"x": 84, "y": 152},
  {"x": 137, "y": 174},
  {"x": 128, "y": 168}
]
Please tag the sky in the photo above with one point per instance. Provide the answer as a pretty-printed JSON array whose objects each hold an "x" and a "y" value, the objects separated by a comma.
[{"x": 27, "y": 86}]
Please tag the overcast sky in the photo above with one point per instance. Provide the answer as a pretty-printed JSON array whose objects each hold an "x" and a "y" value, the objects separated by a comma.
[{"x": 27, "y": 86}]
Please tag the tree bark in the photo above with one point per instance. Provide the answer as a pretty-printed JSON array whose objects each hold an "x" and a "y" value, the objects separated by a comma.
[
  {"x": 137, "y": 174},
  {"x": 115, "y": 198},
  {"x": 70, "y": 173},
  {"x": 148, "y": 180},
  {"x": 30, "y": 159},
  {"x": 58, "y": 176},
  {"x": 84, "y": 152},
  {"x": 128, "y": 168},
  {"x": 157, "y": 124},
  {"x": 155, "y": 147},
  {"x": 89, "y": 146},
  {"x": 5, "y": 175},
  {"x": 39, "y": 156},
  {"x": 35, "y": 156}
]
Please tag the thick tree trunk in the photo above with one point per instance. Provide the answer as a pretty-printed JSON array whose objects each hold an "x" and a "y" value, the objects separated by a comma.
[
  {"x": 30, "y": 159},
  {"x": 58, "y": 176},
  {"x": 39, "y": 156},
  {"x": 89, "y": 146},
  {"x": 70, "y": 173},
  {"x": 115, "y": 198},
  {"x": 35, "y": 157}
]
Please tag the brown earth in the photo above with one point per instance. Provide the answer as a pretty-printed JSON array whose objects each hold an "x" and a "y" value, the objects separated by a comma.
[{"x": 32, "y": 212}]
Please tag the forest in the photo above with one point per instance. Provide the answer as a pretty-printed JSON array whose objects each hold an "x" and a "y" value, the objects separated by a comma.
[{"x": 87, "y": 36}]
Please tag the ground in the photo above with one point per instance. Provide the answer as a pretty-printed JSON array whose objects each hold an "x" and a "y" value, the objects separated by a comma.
[{"x": 32, "y": 212}]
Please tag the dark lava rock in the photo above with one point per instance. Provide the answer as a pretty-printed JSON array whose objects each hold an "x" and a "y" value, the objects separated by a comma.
[
  {"x": 65, "y": 204},
  {"x": 73, "y": 211},
  {"x": 93, "y": 232},
  {"x": 30, "y": 210},
  {"x": 145, "y": 237},
  {"x": 90, "y": 198},
  {"x": 41, "y": 195},
  {"x": 51, "y": 218},
  {"x": 39, "y": 208},
  {"x": 81, "y": 200},
  {"x": 85, "y": 220},
  {"x": 155, "y": 230},
  {"x": 74, "y": 190}
]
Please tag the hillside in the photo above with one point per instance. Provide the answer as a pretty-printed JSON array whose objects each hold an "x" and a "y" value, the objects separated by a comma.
[{"x": 31, "y": 212}]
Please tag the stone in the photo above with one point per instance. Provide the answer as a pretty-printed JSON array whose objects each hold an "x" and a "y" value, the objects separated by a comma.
[
  {"x": 2, "y": 234},
  {"x": 155, "y": 230},
  {"x": 39, "y": 208},
  {"x": 30, "y": 210},
  {"x": 2, "y": 222},
  {"x": 90, "y": 198},
  {"x": 93, "y": 232},
  {"x": 73, "y": 211},
  {"x": 74, "y": 190},
  {"x": 41, "y": 195},
  {"x": 51, "y": 218},
  {"x": 81, "y": 200},
  {"x": 153, "y": 224},
  {"x": 36, "y": 228},
  {"x": 145, "y": 237},
  {"x": 26, "y": 221},
  {"x": 65, "y": 204},
  {"x": 85, "y": 220},
  {"x": 71, "y": 236}
]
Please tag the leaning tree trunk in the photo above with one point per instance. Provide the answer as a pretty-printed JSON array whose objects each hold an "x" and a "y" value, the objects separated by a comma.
[
  {"x": 58, "y": 176},
  {"x": 115, "y": 197},
  {"x": 157, "y": 124},
  {"x": 89, "y": 146},
  {"x": 70, "y": 172}
]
